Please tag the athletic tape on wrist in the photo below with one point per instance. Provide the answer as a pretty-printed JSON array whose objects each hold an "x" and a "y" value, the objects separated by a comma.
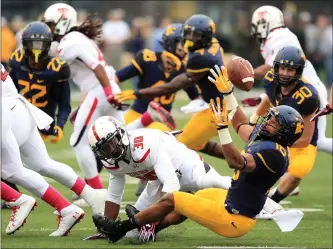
[{"x": 224, "y": 136}]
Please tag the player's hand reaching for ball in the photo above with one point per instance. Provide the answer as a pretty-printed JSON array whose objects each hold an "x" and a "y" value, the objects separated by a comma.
[
  {"x": 219, "y": 112},
  {"x": 221, "y": 80}
]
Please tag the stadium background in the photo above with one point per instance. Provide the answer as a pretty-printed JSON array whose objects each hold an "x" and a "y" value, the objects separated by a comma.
[{"x": 143, "y": 23}]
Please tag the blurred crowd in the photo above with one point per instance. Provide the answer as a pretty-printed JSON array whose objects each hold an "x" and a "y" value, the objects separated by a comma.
[{"x": 123, "y": 37}]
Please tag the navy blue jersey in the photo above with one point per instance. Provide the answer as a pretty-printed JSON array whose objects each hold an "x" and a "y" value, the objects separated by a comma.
[
  {"x": 48, "y": 88},
  {"x": 304, "y": 98},
  {"x": 203, "y": 60},
  {"x": 147, "y": 65},
  {"x": 248, "y": 192}
]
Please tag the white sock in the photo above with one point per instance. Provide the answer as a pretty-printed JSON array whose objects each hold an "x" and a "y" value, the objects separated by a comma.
[
  {"x": 136, "y": 124},
  {"x": 88, "y": 194}
]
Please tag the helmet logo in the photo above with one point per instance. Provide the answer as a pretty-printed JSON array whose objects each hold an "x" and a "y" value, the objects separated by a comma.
[
  {"x": 299, "y": 128},
  {"x": 63, "y": 12},
  {"x": 261, "y": 15},
  {"x": 170, "y": 30},
  {"x": 303, "y": 57}
]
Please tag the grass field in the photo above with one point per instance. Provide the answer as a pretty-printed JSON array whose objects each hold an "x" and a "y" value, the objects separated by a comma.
[{"x": 314, "y": 231}]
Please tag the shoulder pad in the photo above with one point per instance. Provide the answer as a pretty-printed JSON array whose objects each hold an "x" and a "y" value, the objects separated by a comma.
[{"x": 16, "y": 56}]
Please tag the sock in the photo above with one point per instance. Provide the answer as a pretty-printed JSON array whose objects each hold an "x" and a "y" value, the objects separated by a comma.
[
  {"x": 146, "y": 119},
  {"x": 95, "y": 182},
  {"x": 129, "y": 224},
  {"x": 78, "y": 186},
  {"x": 9, "y": 194},
  {"x": 277, "y": 196},
  {"x": 87, "y": 194},
  {"x": 12, "y": 185},
  {"x": 55, "y": 199}
]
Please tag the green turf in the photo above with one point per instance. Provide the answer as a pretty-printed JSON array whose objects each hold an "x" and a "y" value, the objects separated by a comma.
[{"x": 314, "y": 231}]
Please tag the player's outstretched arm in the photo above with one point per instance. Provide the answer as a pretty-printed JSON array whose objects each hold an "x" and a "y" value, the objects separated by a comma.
[
  {"x": 233, "y": 157},
  {"x": 237, "y": 116},
  {"x": 260, "y": 71},
  {"x": 114, "y": 196}
]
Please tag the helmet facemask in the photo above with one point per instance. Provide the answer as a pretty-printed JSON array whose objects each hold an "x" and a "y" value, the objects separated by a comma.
[
  {"x": 260, "y": 30},
  {"x": 273, "y": 130},
  {"x": 111, "y": 146},
  {"x": 285, "y": 81},
  {"x": 37, "y": 49},
  {"x": 192, "y": 39}
]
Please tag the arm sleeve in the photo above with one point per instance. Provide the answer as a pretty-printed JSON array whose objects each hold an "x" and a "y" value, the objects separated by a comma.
[
  {"x": 127, "y": 73},
  {"x": 14, "y": 78},
  {"x": 116, "y": 189},
  {"x": 166, "y": 173},
  {"x": 269, "y": 159},
  {"x": 64, "y": 103}
]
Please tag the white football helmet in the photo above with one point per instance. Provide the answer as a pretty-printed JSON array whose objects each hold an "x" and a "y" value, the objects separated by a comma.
[
  {"x": 61, "y": 18},
  {"x": 108, "y": 138},
  {"x": 264, "y": 20}
]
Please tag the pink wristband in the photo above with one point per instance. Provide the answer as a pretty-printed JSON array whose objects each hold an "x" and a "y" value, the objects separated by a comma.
[{"x": 107, "y": 90}]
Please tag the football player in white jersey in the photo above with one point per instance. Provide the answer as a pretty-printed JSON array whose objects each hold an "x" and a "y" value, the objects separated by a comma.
[
  {"x": 158, "y": 157},
  {"x": 90, "y": 72},
  {"x": 268, "y": 27},
  {"x": 23, "y": 143}
]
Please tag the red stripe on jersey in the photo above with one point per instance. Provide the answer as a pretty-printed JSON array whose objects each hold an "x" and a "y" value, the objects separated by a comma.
[
  {"x": 144, "y": 157},
  {"x": 95, "y": 133},
  {"x": 92, "y": 109}
]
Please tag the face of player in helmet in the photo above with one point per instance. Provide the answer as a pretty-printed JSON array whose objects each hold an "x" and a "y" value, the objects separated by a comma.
[
  {"x": 170, "y": 62},
  {"x": 111, "y": 148},
  {"x": 180, "y": 51},
  {"x": 286, "y": 74},
  {"x": 191, "y": 37},
  {"x": 271, "y": 125}
]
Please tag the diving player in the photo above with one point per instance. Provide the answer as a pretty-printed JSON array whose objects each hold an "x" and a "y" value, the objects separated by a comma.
[
  {"x": 284, "y": 85},
  {"x": 42, "y": 79},
  {"x": 204, "y": 52},
  {"x": 228, "y": 213}
]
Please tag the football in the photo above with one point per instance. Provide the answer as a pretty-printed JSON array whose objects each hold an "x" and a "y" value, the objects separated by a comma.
[{"x": 240, "y": 73}]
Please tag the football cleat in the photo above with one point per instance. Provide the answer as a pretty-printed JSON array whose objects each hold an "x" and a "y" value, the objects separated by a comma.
[
  {"x": 21, "y": 209},
  {"x": 263, "y": 215},
  {"x": 131, "y": 210},
  {"x": 159, "y": 114},
  {"x": 148, "y": 232},
  {"x": 67, "y": 219},
  {"x": 95, "y": 236},
  {"x": 113, "y": 229}
]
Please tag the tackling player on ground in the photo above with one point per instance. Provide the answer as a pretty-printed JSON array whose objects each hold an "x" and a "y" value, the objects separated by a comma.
[{"x": 264, "y": 160}]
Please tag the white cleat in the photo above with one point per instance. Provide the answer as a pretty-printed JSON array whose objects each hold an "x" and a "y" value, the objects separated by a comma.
[
  {"x": 295, "y": 192},
  {"x": 21, "y": 209},
  {"x": 99, "y": 201},
  {"x": 287, "y": 220},
  {"x": 263, "y": 215},
  {"x": 67, "y": 219}
]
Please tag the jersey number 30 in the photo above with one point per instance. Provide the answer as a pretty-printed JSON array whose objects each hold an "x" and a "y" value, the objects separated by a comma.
[{"x": 302, "y": 94}]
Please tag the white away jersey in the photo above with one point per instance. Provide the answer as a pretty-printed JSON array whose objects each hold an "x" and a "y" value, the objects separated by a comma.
[
  {"x": 83, "y": 56},
  {"x": 8, "y": 88},
  {"x": 147, "y": 147}
]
